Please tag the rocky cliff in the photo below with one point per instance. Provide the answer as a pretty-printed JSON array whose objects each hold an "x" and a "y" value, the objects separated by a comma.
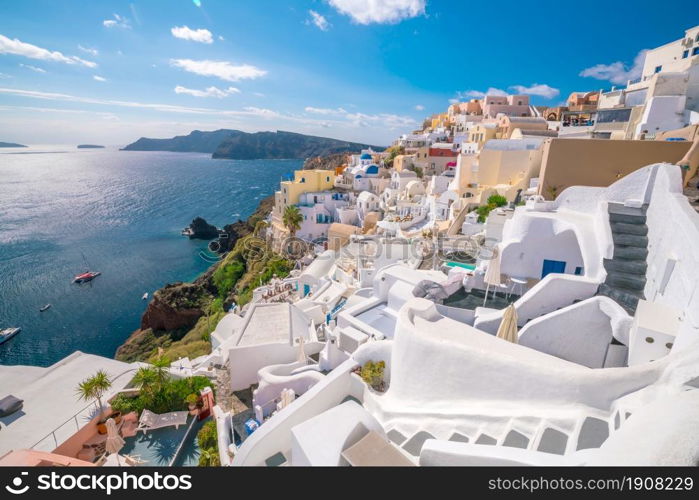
[
  {"x": 196, "y": 142},
  {"x": 283, "y": 145},
  {"x": 180, "y": 316},
  {"x": 202, "y": 230},
  {"x": 328, "y": 162}
]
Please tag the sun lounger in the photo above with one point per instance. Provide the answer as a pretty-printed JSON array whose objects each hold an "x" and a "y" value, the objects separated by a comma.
[{"x": 150, "y": 421}]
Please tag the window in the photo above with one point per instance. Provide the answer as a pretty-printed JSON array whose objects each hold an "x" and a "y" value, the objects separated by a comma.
[
  {"x": 695, "y": 51},
  {"x": 658, "y": 69},
  {"x": 327, "y": 179},
  {"x": 685, "y": 54},
  {"x": 303, "y": 179}
]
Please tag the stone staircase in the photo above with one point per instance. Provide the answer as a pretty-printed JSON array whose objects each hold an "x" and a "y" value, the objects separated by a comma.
[
  {"x": 626, "y": 270},
  {"x": 588, "y": 431}
]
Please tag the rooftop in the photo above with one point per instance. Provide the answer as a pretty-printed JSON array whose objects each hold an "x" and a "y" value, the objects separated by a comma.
[{"x": 50, "y": 399}]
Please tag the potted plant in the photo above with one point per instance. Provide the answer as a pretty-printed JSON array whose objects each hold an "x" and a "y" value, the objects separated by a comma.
[
  {"x": 192, "y": 401},
  {"x": 94, "y": 388},
  {"x": 372, "y": 374}
]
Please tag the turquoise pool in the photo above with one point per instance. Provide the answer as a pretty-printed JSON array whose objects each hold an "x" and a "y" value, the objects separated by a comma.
[
  {"x": 451, "y": 263},
  {"x": 158, "y": 448}
]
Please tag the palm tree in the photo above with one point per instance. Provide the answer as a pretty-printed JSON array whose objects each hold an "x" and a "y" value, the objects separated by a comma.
[
  {"x": 146, "y": 379},
  {"x": 161, "y": 366},
  {"x": 292, "y": 219},
  {"x": 94, "y": 387}
]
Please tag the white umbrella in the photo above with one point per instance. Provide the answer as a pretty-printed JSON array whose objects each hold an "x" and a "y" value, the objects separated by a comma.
[
  {"x": 508, "y": 326},
  {"x": 114, "y": 442},
  {"x": 492, "y": 274}
]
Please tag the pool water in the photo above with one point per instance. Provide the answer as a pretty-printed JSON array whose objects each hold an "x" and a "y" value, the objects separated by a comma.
[
  {"x": 461, "y": 264},
  {"x": 158, "y": 448}
]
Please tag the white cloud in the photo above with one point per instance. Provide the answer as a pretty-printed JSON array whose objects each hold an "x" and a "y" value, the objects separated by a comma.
[
  {"x": 258, "y": 94},
  {"x": 99, "y": 78},
  {"x": 321, "y": 23},
  {"x": 477, "y": 94},
  {"x": 617, "y": 72},
  {"x": 117, "y": 22},
  {"x": 262, "y": 112},
  {"x": 186, "y": 33},
  {"x": 209, "y": 92},
  {"x": 538, "y": 89},
  {"x": 33, "y": 68},
  {"x": 454, "y": 101},
  {"x": 19, "y": 48},
  {"x": 88, "y": 50},
  {"x": 383, "y": 120},
  {"x": 220, "y": 69},
  {"x": 379, "y": 11},
  {"x": 169, "y": 108},
  {"x": 419, "y": 107},
  {"x": 220, "y": 37},
  {"x": 325, "y": 111}
]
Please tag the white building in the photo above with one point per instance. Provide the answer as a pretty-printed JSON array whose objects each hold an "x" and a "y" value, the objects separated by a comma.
[{"x": 618, "y": 388}]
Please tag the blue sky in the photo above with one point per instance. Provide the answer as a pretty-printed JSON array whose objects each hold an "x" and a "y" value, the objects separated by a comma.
[{"x": 112, "y": 71}]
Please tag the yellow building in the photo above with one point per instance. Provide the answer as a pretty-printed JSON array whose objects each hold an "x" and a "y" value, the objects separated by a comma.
[
  {"x": 305, "y": 181},
  {"x": 440, "y": 120},
  {"x": 482, "y": 133}
]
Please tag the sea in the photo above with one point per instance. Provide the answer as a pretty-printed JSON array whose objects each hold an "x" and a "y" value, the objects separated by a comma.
[{"x": 64, "y": 210}]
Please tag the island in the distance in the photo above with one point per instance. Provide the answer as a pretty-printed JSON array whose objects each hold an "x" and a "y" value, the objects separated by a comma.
[
  {"x": 89, "y": 146},
  {"x": 237, "y": 145},
  {"x": 11, "y": 145}
]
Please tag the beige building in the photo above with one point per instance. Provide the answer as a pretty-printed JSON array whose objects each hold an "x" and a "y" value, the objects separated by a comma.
[
  {"x": 339, "y": 235},
  {"x": 506, "y": 125},
  {"x": 599, "y": 162},
  {"x": 403, "y": 162}
]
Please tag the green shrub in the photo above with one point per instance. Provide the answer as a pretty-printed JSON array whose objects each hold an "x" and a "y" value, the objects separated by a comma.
[
  {"x": 372, "y": 374},
  {"x": 209, "y": 458},
  {"x": 172, "y": 396},
  {"x": 226, "y": 276},
  {"x": 207, "y": 437},
  {"x": 497, "y": 200}
]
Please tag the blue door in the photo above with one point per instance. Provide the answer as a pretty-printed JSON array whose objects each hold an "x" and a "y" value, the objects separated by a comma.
[
  {"x": 552, "y": 266},
  {"x": 306, "y": 290}
]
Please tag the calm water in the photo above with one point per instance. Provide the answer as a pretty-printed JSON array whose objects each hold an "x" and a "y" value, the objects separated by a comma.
[{"x": 124, "y": 210}]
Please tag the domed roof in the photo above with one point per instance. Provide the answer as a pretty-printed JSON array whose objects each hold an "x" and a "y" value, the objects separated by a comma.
[{"x": 365, "y": 156}]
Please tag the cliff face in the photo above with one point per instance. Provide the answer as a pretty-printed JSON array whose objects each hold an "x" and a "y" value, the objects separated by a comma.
[
  {"x": 283, "y": 145},
  {"x": 329, "y": 162},
  {"x": 176, "y": 306},
  {"x": 196, "y": 142},
  {"x": 179, "y": 317}
]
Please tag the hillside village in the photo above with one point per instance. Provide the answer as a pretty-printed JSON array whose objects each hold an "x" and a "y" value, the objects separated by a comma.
[{"x": 510, "y": 284}]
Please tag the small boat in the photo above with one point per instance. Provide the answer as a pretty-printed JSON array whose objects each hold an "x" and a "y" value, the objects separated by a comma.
[
  {"x": 145, "y": 296},
  {"x": 85, "y": 277},
  {"x": 46, "y": 307},
  {"x": 7, "y": 333}
]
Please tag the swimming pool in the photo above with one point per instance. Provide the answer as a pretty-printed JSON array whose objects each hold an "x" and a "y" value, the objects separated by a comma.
[
  {"x": 158, "y": 448},
  {"x": 451, "y": 263}
]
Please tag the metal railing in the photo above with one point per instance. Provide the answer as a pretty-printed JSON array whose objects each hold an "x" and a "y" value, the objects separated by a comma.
[{"x": 74, "y": 418}]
